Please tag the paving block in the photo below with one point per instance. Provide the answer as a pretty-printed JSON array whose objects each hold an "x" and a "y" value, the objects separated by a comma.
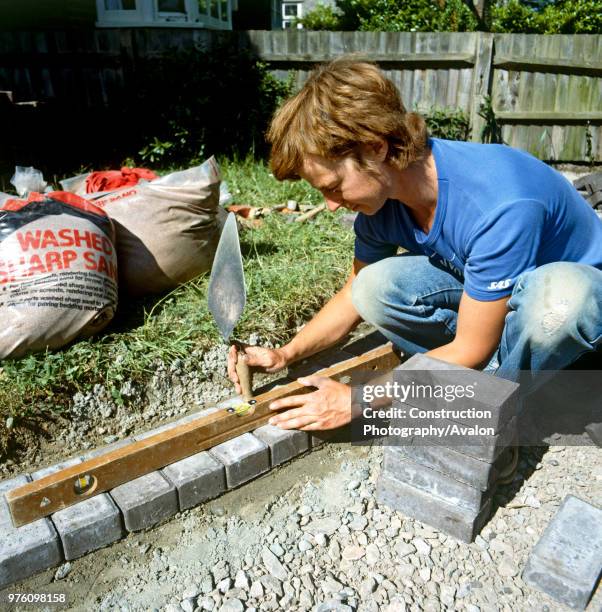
[
  {"x": 474, "y": 472},
  {"x": 57, "y": 467},
  {"x": 283, "y": 444},
  {"x": 480, "y": 446},
  {"x": 566, "y": 563},
  {"x": 26, "y": 550},
  {"x": 458, "y": 522},
  {"x": 103, "y": 450},
  {"x": 197, "y": 478},
  {"x": 430, "y": 481},
  {"x": 91, "y": 524},
  {"x": 166, "y": 426},
  {"x": 244, "y": 458},
  {"x": 146, "y": 501},
  {"x": 483, "y": 392},
  {"x": 5, "y": 486}
]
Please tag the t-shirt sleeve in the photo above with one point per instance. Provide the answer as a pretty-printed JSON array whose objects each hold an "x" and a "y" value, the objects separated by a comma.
[
  {"x": 503, "y": 246},
  {"x": 369, "y": 247}
]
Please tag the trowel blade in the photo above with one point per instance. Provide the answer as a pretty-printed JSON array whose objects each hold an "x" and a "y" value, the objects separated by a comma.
[{"x": 227, "y": 293}]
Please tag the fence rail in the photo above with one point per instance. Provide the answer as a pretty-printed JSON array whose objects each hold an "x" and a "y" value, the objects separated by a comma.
[{"x": 546, "y": 91}]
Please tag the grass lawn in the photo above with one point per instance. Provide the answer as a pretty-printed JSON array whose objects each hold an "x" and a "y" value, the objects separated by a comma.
[{"x": 291, "y": 270}]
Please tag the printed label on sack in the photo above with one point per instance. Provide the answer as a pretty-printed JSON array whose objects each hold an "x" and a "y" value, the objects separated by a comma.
[{"x": 61, "y": 261}]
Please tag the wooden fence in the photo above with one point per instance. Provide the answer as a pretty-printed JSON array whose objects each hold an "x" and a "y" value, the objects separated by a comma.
[{"x": 546, "y": 91}]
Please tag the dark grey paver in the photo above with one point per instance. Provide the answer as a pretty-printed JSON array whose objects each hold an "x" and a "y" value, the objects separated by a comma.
[
  {"x": 458, "y": 522},
  {"x": 566, "y": 563}
]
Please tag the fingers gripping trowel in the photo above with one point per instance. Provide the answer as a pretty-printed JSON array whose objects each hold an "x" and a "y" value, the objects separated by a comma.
[{"x": 227, "y": 294}]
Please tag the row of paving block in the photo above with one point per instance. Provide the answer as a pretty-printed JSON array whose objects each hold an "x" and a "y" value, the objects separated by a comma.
[
  {"x": 153, "y": 498},
  {"x": 140, "y": 503}
]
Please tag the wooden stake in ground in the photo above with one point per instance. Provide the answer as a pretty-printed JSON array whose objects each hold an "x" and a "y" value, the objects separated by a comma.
[{"x": 72, "y": 485}]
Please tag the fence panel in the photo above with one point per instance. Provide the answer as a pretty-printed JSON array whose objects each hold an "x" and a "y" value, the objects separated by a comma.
[{"x": 546, "y": 91}]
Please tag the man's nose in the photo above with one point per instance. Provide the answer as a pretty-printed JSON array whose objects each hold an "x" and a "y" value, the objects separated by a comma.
[{"x": 332, "y": 204}]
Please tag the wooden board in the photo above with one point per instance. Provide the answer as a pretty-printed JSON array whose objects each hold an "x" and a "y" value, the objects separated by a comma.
[{"x": 56, "y": 491}]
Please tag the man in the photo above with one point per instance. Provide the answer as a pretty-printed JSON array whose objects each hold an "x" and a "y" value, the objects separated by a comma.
[{"x": 504, "y": 270}]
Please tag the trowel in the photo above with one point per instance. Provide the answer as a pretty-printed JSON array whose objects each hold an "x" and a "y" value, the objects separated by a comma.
[{"x": 227, "y": 294}]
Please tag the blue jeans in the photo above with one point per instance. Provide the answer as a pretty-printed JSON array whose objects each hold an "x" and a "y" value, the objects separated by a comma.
[{"x": 555, "y": 312}]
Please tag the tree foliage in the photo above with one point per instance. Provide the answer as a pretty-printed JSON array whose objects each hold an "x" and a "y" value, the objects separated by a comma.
[{"x": 557, "y": 17}]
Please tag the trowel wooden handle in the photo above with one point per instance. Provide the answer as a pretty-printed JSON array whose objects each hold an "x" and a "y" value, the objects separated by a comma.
[{"x": 245, "y": 377}]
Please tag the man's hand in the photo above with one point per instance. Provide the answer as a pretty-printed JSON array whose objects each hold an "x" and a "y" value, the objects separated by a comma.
[
  {"x": 328, "y": 407},
  {"x": 264, "y": 359}
]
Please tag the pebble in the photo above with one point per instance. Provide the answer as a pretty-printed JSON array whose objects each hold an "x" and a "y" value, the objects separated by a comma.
[
  {"x": 353, "y": 553},
  {"x": 304, "y": 545},
  {"x": 333, "y": 605},
  {"x": 272, "y": 564},
  {"x": 321, "y": 539},
  {"x": 277, "y": 549},
  {"x": 205, "y": 603},
  {"x": 188, "y": 605},
  {"x": 206, "y": 584},
  {"x": 242, "y": 580},
  {"x": 372, "y": 554},
  {"x": 402, "y": 549},
  {"x": 422, "y": 547},
  {"x": 256, "y": 590},
  {"x": 507, "y": 567},
  {"x": 63, "y": 571},
  {"x": 232, "y": 605}
]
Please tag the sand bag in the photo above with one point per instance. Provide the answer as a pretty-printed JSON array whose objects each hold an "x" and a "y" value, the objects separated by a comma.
[
  {"x": 58, "y": 272},
  {"x": 167, "y": 229}
]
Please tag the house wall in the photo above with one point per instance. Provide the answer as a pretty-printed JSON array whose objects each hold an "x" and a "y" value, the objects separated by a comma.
[{"x": 47, "y": 14}]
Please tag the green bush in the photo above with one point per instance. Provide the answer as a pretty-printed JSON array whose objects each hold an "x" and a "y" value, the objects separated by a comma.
[
  {"x": 194, "y": 103},
  {"x": 559, "y": 17},
  {"x": 448, "y": 123},
  {"x": 393, "y": 15},
  {"x": 322, "y": 18},
  {"x": 516, "y": 17},
  {"x": 573, "y": 17}
]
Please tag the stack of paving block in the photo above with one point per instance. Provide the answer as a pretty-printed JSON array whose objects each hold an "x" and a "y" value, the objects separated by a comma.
[
  {"x": 141, "y": 503},
  {"x": 446, "y": 482}
]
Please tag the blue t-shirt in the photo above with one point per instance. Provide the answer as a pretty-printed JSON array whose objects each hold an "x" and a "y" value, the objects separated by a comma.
[{"x": 500, "y": 212}]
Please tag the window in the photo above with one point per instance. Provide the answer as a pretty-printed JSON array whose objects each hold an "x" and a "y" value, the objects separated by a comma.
[
  {"x": 171, "y": 6},
  {"x": 213, "y": 14},
  {"x": 290, "y": 12},
  {"x": 120, "y": 5}
]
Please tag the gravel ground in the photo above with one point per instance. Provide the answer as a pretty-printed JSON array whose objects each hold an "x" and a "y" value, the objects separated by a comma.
[{"x": 310, "y": 536}]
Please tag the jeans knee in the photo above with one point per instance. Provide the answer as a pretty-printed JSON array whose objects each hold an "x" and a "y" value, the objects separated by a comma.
[
  {"x": 557, "y": 301},
  {"x": 376, "y": 290},
  {"x": 365, "y": 295}
]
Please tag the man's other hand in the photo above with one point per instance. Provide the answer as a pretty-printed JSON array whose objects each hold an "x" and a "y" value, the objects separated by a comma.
[{"x": 328, "y": 407}]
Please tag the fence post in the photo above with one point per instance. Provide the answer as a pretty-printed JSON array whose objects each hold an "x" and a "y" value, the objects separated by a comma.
[{"x": 481, "y": 81}]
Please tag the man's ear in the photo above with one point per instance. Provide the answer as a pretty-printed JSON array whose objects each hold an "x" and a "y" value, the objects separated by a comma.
[{"x": 376, "y": 151}]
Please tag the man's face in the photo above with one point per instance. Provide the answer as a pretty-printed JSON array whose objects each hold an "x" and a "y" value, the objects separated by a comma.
[{"x": 343, "y": 183}]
